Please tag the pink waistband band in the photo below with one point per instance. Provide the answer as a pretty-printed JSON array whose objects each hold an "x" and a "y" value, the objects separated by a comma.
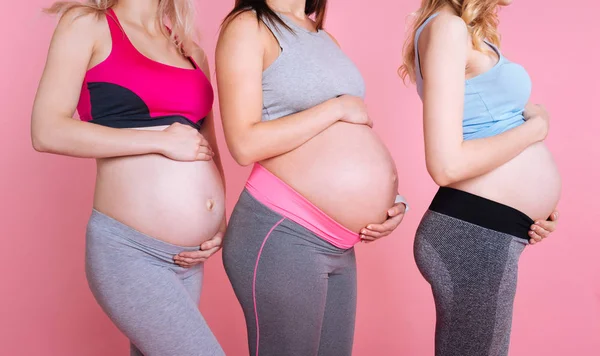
[{"x": 272, "y": 192}]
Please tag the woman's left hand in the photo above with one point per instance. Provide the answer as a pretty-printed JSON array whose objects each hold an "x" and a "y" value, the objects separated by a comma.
[
  {"x": 541, "y": 229},
  {"x": 189, "y": 259},
  {"x": 374, "y": 232}
]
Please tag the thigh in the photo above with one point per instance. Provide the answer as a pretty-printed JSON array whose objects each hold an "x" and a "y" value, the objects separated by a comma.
[
  {"x": 289, "y": 297},
  {"x": 150, "y": 304},
  {"x": 337, "y": 333}
]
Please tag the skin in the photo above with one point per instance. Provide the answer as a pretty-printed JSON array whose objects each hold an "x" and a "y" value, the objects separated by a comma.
[
  {"x": 81, "y": 42},
  {"x": 445, "y": 51},
  {"x": 251, "y": 140}
]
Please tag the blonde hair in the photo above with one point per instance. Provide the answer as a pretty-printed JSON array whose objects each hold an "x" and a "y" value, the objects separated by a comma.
[
  {"x": 480, "y": 16},
  {"x": 179, "y": 15}
]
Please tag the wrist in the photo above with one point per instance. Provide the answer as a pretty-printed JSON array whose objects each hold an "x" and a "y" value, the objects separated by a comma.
[
  {"x": 336, "y": 109},
  {"x": 160, "y": 141},
  {"x": 538, "y": 127}
]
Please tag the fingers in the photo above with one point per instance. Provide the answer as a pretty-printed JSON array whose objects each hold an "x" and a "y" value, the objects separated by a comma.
[
  {"x": 546, "y": 227},
  {"x": 204, "y": 153},
  {"x": 192, "y": 255},
  {"x": 188, "y": 262},
  {"x": 215, "y": 242},
  {"x": 366, "y": 234},
  {"x": 380, "y": 228},
  {"x": 192, "y": 258},
  {"x": 534, "y": 237},
  {"x": 397, "y": 209},
  {"x": 541, "y": 230},
  {"x": 376, "y": 231},
  {"x": 203, "y": 142}
]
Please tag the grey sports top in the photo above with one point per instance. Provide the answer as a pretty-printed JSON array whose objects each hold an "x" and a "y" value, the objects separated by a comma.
[{"x": 310, "y": 70}]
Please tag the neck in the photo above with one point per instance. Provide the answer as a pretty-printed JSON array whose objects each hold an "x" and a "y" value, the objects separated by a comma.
[
  {"x": 294, "y": 7},
  {"x": 141, "y": 12}
]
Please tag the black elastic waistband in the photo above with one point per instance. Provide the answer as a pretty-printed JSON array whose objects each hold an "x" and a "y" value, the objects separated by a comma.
[{"x": 481, "y": 211}]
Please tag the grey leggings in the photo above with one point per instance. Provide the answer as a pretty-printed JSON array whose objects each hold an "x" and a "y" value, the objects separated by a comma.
[
  {"x": 150, "y": 299},
  {"x": 297, "y": 291},
  {"x": 472, "y": 269}
]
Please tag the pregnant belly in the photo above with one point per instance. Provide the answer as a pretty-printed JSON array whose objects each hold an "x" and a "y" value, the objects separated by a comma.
[
  {"x": 529, "y": 183},
  {"x": 345, "y": 171},
  {"x": 181, "y": 203}
]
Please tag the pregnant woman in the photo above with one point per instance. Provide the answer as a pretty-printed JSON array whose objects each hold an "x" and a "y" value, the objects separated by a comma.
[
  {"x": 145, "y": 100},
  {"x": 291, "y": 103},
  {"x": 484, "y": 147}
]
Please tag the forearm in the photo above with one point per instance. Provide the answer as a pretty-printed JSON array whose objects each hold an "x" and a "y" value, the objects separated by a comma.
[
  {"x": 82, "y": 139},
  {"x": 480, "y": 156},
  {"x": 263, "y": 140}
]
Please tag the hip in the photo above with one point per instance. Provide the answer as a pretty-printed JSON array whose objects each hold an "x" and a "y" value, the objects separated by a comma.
[
  {"x": 454, "y": 214},
  {"x": 111, "y": 245}
]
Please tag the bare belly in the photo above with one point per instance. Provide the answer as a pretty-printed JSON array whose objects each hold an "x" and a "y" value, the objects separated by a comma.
[
  {"x": 529, "y": 183},
  {"x": 346, "y": 171},
  {"x": 181, "y": 203}
]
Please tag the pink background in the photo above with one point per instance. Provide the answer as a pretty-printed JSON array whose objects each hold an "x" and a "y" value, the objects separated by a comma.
[{"x": 47, "y": 309}]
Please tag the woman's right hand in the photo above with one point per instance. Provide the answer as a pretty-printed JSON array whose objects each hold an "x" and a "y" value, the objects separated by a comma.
[
  {"x": 354, "y": 110},
  {"x": 537, "y": 115},
  {"x": 185, "y": 143}
]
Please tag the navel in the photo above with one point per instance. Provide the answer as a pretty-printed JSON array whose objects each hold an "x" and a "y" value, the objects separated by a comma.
[{"x": 210, "y": 204}]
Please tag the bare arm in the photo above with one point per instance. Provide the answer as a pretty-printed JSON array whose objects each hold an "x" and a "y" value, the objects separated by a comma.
[
  {"x": 239, "y": 62},
  {"x": 53, "y": 128},
  {"x": 450, "y": 159}
]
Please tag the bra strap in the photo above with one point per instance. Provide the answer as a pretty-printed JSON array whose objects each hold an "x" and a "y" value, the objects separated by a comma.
[
  {"x": 117, "y": 34},
  {"x": 417, "y": 35}
]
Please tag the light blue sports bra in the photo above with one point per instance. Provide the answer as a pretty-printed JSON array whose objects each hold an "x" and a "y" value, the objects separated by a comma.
[{"x": 494, "y": 100}]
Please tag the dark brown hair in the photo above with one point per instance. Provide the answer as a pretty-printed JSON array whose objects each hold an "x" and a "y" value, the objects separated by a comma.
[{"x": 263, "y": 12}]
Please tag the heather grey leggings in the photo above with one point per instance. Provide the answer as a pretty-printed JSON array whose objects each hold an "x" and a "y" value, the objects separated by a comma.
[
  {"x": 298, "y": 292},
  {"x": 150, "y": 299},
  {"x": 468, "y": 249}
]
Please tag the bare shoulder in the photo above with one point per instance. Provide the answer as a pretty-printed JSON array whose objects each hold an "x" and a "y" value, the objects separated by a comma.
[
  {"x": 82, "y": 22},
  {"x": 244, "y": 25},
  {"x": 242, "y": 37},
  {"x": 445, "y": 28}
]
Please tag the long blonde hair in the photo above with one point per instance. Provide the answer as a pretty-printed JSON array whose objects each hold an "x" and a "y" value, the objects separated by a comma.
[
  {"x": 480, "y": 16},
  {"x": 179, "y": 15}
]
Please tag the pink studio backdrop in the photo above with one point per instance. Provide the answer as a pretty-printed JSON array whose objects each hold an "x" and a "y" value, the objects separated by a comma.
[{"x": 47, "y": 309}]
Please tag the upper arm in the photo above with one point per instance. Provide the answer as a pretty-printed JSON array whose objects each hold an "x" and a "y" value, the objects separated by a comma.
[
  {"x": 239, "y": 67},
  {"x": 443, "y": 48},
  {"x": 69, "y": 55}
]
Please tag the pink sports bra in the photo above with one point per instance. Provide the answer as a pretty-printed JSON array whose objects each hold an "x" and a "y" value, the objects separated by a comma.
[{"x": 129, "y": 90}]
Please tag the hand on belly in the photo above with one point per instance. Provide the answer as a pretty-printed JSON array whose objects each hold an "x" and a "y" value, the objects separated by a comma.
[{"x": 373, "y": 232}]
